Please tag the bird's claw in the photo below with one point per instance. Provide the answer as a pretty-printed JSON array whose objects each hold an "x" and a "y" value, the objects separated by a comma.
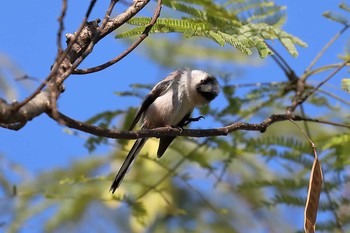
[
  {"x": 177, "y": 127},
  {"x": 189, "y": 120}
]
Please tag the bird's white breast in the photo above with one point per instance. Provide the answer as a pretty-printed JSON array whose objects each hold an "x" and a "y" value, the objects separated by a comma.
[{"x": 168, "y": 109}]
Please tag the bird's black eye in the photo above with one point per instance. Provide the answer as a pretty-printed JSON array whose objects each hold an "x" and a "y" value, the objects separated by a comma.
[{"x": 209, "y": 79}]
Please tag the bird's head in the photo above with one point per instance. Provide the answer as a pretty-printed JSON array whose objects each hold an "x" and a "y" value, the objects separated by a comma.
[{"x": 205, "y": 85}]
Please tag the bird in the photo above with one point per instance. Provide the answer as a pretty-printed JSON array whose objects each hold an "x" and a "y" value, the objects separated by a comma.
[{"x": 170, "y": 103}]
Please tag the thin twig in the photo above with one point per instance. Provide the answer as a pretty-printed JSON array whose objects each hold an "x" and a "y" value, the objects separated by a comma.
[
  {"x": 281, "y": 62},
  {"x": 324, "y": 49},
  {"x": 324, "y": 122},
  {"x": 108, "y": 13},
  {"x": 321, "y": 69},
  {"x": 61, "y": 26},
  {"x": 257, "y": 84},
  {"x": 324, "y": 81},
  {"x": 330, "y": 94},
  {"x": 307, "y": 129},
  {"x": 143, "y": 36}
]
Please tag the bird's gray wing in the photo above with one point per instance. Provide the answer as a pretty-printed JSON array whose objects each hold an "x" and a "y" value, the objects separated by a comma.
[
  {"x": 157, "y": 91},
  {"x": 127, "y": 162}
]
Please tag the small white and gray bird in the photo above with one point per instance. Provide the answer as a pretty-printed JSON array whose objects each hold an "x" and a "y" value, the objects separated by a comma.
[{"x": 170, "y": 103}]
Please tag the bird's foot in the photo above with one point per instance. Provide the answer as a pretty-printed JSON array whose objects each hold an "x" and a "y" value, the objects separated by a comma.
[
  {"x": 189, "y": 120},
  {"x": 177, "y": 127}
]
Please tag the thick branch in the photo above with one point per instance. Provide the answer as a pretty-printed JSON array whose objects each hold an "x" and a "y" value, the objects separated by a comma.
[
  {"x": 64, "y": 59},
  {"x": 79, "y": 46},
  {"x": 116, "y": 22},
  {"x": 39, "y": 104}
]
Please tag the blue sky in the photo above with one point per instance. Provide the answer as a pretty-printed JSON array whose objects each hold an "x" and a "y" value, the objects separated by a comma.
[{"x": 28, "y": 37}]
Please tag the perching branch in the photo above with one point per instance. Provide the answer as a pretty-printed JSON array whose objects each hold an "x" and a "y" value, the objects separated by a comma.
[{"x": 172, "y": 131}]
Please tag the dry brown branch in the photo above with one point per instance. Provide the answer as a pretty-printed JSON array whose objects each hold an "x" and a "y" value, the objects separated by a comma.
[
  {"x": 143, "y": 36},
  {"x": 59, "y": 64},
  {"x": 341, "y": 66},
  {"x": 79, "y": 47},
  {"x": 171, "y": 131},
  {"x": 325, "y": 48},
  {"x": 301, "y": 95},
  {"x": 61, "y": 26}
]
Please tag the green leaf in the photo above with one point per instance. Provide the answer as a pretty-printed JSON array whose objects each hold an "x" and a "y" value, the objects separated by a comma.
[
  {"x": 244, "y": 6},
  {"x": 221, "y": 24},
  {"x": 335, "y": 17},
  {"x": 217, "y": 38},
  {"x": 133, "y": 32},
  {"x": 187, "y": 9},
  {"x": 336, "y": 141},
  {"x": 262, "y": 48},
  {"x": 262, "y": 13},
  {"x": 344, "y": 6},
  {"x": 242, "y": 46},
  {"x": 345, "y": 84},
  {"x": 289, "y": 200},
  {"x": 139, "y": 211},
  {"x": 139, "y": 21},
  {"x": 165, "y": 25},
  {"x": 288, "y": 44}
]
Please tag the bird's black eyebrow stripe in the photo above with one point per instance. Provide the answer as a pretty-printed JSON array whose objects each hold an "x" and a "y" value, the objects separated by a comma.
[{"x": 209, "y": 79}]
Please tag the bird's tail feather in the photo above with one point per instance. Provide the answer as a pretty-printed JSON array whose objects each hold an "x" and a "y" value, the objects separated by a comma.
[
  {"x": 127, "y": 162},
  {"x": 164, "y": 143}
]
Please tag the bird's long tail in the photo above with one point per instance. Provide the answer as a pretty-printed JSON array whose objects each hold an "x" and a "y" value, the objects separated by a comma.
[{"x": 127, "y": 162}]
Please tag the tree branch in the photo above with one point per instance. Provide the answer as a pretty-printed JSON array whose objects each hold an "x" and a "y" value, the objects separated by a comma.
[
  {"x": 281, "y": 62},
  {"x": 108, "y": 13},
  {"x": 172, "y": 131},
  {"x": 79, "y": 47},
  {"x": 60, "y": 64},
  {"x": 39, "y": 104},
  {"x": 122, "y": 18},
  {"x": 61, "y": 26},
  {"x": 143, "y": 36},
  {"x": 324, "y": 49},
  {"x": 341, "y": 66}
]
